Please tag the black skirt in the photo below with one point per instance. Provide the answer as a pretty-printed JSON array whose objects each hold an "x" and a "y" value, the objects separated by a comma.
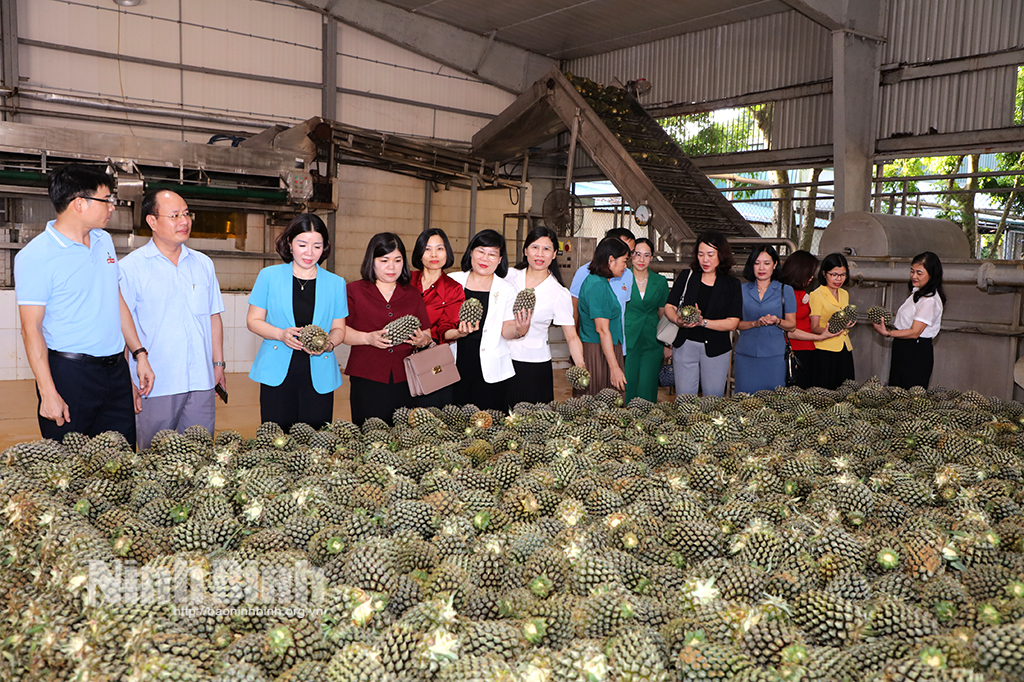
[
  {"x": 832, "y": 368},
  {"x": 911, "y": 362},
  {"x": 804, "y": 373},
  {"x": 534, "y": 382}
]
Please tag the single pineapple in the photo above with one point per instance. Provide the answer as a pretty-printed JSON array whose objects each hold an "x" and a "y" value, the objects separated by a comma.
[
  {"x": 688, "y": 314},
  {"x": 313, "y": 338},
  {"x": 879, "y": 315},
  {"x": 578, "y": 377},
  {"x": 402, "y": 329},
  {"x": 525, "y": 300},
  {"x": 471, "y": 312}
]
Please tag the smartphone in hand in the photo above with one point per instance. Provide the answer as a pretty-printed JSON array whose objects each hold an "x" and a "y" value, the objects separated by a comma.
[{"x": 221, "y": 393}]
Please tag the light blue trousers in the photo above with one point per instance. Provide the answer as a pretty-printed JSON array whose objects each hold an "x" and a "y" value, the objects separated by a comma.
[{"x": 695, "y": 370}]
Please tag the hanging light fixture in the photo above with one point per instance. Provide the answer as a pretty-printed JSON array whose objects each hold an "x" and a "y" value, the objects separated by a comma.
[{"x": 127, "y": 3}]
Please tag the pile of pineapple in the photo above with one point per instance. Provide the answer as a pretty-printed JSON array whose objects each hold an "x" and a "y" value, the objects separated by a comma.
[{"x": 868, "y": 533}]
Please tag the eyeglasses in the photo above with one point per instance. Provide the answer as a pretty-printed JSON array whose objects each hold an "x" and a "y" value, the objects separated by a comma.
[
  {"x": 641, "y": 254},
  {"x": 837, "y": 275},
  {"x": 112, "y": 200},
  {"x": 178, "y": 216}
]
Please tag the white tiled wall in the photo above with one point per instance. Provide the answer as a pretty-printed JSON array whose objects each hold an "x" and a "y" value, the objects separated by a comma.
[{"x": 10, "y": 337}]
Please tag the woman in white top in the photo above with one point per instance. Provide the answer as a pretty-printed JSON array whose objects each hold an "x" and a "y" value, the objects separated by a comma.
[
  {"x": 917, "y": 322},
  {"x": 482, "y": 355},
  {"x": 531, "y": 355}
]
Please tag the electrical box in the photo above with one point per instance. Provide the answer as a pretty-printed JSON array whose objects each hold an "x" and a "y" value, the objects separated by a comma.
[{"x": 574, "y": 252}]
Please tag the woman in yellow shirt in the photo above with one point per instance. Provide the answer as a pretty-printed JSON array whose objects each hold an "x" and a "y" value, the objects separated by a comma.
[{"x": 833, "y": 358}]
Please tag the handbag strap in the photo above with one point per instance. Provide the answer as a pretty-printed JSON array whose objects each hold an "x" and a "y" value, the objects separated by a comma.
[{"x": 682, "y": 299}]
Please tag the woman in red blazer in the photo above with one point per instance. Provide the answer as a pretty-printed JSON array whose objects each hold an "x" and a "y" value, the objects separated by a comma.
[
  {"x": 443, "y": 296},
  {"x": 376, "y": 366}
]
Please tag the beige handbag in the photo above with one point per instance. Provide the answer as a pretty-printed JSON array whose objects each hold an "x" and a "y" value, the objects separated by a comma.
[{"x": 431, "y": 369}]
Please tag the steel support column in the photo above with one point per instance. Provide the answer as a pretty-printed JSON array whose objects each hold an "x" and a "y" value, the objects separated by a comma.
[
  {"x": 9, "y": 72},
  {"x": 474, "y": 183},
  {"x": 855, "y": 98}
]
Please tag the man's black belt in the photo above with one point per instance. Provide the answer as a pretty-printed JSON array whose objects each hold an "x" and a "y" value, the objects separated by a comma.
[{"x": 107, "y": 361}]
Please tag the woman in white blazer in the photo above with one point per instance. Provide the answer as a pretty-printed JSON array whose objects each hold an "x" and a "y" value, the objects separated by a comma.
[{"x": 481, "y": 353}]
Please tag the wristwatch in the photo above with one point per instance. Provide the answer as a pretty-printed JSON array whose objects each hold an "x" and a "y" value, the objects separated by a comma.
[
  {"x": 218, "y": 363},
  {"x": 704, "y": 323},
  {"x": 139, "y": 351}
]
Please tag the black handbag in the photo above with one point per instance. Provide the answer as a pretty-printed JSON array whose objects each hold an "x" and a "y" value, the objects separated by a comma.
[{"x": 793, "y": 365}]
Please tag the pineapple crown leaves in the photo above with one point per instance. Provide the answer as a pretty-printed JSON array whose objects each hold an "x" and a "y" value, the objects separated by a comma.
[
  {"x": 535, "y": 629},
  {"x": 280, "y": 639},
  {"x": 441, "y": 645},
  {"x": 702, "y": 591}
]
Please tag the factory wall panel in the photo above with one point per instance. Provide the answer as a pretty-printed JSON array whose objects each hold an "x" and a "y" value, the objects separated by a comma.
[
  {"x": 933, "y": 30},
  {"x": 802, "y": 122},
  {"x": 372, "y": 201},
  {"x": 974, "y": 100},
  {"x": 769, "y": 52},
  {"x": 255, "y": 39}
]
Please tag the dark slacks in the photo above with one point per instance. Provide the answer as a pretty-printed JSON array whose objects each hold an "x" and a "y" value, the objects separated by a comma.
[
  {"x": 99, "y": 398},
  {"x": 376, "y": 399},
  {"x": 911, "y": 362}
]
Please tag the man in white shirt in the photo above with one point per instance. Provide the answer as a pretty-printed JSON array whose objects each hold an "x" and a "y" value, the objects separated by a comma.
[
  {"x": 622, "y": 286},
  {"x": 174, "y": 298}
]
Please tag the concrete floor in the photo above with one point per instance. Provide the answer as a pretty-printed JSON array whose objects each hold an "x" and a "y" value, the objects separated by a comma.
[{"x": 18, "y": 405}]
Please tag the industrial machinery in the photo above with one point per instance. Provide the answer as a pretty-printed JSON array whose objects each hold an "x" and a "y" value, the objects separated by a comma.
[
  {"x": 982, "y": 322},
  {"x": 626, "y": 143}
]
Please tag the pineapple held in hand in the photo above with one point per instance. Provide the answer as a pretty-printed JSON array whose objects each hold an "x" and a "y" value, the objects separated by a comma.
[
  {"x": 841, "y": 319},
  {"x": 879, "y": 315},
  {"x": 313, "y": 338},
  {"x": 525, "y": 300},
  {"x": 578, "y": 377},
  {"x": 402, "y": 329},
  {"x": 471, "y": 312},
  {"x": 688, "y": 314}
]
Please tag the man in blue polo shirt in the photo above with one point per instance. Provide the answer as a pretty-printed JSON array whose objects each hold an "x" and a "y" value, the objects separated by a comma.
[
  {"x": 622, "y": 286},
  {"x": 73, "y": 321},
  {"x": 174, "y": 297}
]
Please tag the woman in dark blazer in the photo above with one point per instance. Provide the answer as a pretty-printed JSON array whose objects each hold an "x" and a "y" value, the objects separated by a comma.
[
  {"x": 296, "y": 384},
  {"x": 645, "y": 307},
  {"x": 376, "y": 366},
  {"x": 702, "y": 349}
]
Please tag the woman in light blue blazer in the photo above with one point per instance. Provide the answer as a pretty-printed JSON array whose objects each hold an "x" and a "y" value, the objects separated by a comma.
[{"x": 296, "y": 384}]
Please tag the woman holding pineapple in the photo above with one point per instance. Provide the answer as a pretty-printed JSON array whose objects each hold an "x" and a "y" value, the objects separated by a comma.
[
  {"x": 917, "y": 322},
  {"x": 833, "y": 358},
  {"x": 482, "y": 356},
  {"x": 538, "y": 273},
  {"x": 285, "y": 299},
  {"x": 702, "y": 348},
  {"x": 379, "y": 332}
]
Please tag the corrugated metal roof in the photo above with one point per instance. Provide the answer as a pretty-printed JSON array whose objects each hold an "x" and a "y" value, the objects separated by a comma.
[
  {"x": 933, "y": 30},
  {"x": 802, "y": 122},
  {"x": 570, "y": 29},
  {"x": 760, "y": 54},
  {"x": 975, "y": 100}
]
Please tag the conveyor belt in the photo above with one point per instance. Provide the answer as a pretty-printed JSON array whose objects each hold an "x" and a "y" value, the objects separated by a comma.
[{"x": 627, "y": 144}]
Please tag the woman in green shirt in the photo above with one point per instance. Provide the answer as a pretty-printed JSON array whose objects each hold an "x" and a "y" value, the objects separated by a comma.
[{"x": 601, "y": 318}]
